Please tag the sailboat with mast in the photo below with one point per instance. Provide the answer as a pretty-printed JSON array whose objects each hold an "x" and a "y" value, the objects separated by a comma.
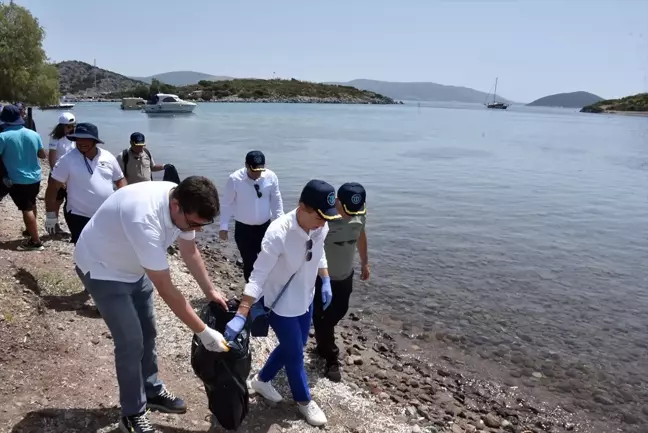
[{"x": 494, "y": 103}]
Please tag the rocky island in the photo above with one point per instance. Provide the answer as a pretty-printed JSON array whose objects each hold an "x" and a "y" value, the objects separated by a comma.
[
  {"x": 79, "y": 80},
  {"x": 259, "y": 90},
  {"x": 636, "y": 104}
]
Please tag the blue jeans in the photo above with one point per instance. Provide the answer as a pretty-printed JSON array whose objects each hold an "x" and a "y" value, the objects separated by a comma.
[
  {"x": 292, "y": 333},
  {"x": 127, "y": 309}
]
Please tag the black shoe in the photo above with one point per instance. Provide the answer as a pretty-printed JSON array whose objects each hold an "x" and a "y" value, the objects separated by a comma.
[
  {"x": 136, "y": 424},
  {"x": 333, "y": 372},
  {"x": 30, "y": 245},
  {"x": 167, "y": 403}
]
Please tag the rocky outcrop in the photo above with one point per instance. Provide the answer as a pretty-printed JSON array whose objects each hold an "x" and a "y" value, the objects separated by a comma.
[{"x": 78, "y": 78}]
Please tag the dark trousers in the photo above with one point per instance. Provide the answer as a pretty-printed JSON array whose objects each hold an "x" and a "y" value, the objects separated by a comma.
[
  {"x": 75, "y": 223},
  {"x": 129, "y": 313},
  {"x": 324, "y": 321},
  {"x": 248, "y": 240}
]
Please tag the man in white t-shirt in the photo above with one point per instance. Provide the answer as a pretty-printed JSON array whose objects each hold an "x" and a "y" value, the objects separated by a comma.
[
  {"x": 121, "y": 255},
  {"x": 89, "y": 173}
]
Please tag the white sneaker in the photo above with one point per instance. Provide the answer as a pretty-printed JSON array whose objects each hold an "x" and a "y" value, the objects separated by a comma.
[
  {"x": 313, "y": 414},
  {"x": 266, "y": 389}
]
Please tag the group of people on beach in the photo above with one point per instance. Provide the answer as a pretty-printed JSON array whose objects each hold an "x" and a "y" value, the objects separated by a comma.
[{"x": 298, "y": 266}]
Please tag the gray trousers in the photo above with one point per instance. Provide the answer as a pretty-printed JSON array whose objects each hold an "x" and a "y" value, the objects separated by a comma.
[{"x": 127, "y": 309}]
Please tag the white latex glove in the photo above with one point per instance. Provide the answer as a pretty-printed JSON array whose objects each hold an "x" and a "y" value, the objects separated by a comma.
[
  {"x": 51, "y": 220},
  {"x": 213, "y": 340}
]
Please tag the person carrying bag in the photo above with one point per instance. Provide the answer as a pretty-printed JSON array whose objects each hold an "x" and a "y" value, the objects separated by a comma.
[
  {"x": 259, "y": 316},
  {"x": 291, "y": 257}
]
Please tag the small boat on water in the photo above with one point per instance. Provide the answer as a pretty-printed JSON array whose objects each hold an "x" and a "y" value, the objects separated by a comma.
[
  {"x": 132, "y": 103},
  {"x": 495, "y": 104},
  {"x": 61, "y": 106},
  {"x": 168, "y": 103}
]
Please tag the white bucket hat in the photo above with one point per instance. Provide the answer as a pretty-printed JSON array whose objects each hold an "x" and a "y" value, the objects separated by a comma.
[{"x": 66, "y": 119}]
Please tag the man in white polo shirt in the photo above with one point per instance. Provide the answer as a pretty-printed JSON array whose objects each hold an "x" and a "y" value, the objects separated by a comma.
[
  {"x": 252, "y": 197},
  {"x": 121, "y": 255},
  {"x": 89, "y": 173}
]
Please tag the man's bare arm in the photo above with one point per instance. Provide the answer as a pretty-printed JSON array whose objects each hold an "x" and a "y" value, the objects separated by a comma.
[
  {"x": 53, "y": 186},
  {"x": 362, "y": 248}
]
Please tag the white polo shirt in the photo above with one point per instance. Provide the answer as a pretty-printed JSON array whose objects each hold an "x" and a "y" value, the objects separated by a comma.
[
  {"x": 241, "y": 201},
  {"x": 86, "y": 191},
  {"x": 61, "y": 146},
  {"x": 283, "y": 253},
  {"x": 131, "y": 231}
]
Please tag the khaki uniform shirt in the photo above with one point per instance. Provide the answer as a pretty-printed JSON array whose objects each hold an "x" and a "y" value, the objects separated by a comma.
[
  {"x": 139, "y": 166},
  {"x": 341, "y": 244}
]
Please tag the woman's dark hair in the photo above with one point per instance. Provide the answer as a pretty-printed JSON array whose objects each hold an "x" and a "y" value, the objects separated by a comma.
[
  {"x": 198, "y": 195},
  {"x": 58, "y": 132}
]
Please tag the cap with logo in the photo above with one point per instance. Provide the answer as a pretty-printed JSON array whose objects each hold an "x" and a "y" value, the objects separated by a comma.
[
  {"x": 138, "y": 139},
  {"x": 66, "y": 119},
  {"x": 353, "y": 197},
  {"x": 10, "y": 116},
  {"x": 85, "y": 130},
  {"x": 255, "y": 159},
  {"x": 320, "y": 196}
]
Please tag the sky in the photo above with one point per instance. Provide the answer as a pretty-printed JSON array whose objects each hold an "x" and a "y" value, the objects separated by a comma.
[{"x": 536, "y": 48}]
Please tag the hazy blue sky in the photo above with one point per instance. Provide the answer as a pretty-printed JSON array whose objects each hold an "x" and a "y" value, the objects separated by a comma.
[{"x": 535, "y": 47}]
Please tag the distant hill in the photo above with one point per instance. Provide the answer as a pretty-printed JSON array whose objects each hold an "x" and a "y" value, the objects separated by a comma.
[
  {"x": 181, "y": 78},
  {"x": 567, "y": 100},
  {"x": 422, "y": 91},
  {"x": 78, "y": 78},
  {"x": 631, "y": 104}
]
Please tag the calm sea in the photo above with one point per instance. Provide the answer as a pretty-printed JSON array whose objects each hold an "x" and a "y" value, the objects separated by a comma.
[{"x": 519, "y": 236}]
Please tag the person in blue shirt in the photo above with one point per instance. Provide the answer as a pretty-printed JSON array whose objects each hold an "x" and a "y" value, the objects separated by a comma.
[{"x": 20, "y": 149}]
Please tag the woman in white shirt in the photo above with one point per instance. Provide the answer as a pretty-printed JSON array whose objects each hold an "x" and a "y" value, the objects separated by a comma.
[
  {"x": 59, "y": 145},
  {"x": 291, "y": 257}
]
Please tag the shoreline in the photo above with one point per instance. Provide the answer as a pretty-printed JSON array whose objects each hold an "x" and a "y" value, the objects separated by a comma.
[
  {"x": 626, "y": 113},
  {"x": 385, "y": 389},
  {"x": 277, "y": 100}
]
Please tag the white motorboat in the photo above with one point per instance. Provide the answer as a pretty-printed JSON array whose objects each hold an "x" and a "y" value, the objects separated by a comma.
[{"x": 167, "y": 103}]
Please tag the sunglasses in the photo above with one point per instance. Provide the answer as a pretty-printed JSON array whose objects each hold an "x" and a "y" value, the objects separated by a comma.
[
  {"x": 256, "y": 188},
  {"x": 309, "y": 253}
]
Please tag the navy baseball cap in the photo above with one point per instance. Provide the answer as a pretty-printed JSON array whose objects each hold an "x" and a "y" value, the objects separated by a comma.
[
  {"x": 320, "y": 196},
  {"x": 10, "y": 116},
  {"x": 256, "y": 160},
  {"x": 85, "y": 130},
  {"x": 353, "y": 197},
  {"x": 138, "y": 139}
]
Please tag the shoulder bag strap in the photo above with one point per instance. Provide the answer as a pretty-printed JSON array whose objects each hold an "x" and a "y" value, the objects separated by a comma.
[
  {"x": 283, "y": 290},
  {"x": 125, "y": 159}
]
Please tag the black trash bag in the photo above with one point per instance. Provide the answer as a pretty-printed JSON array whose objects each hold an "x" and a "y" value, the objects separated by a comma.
[
  {"x": 171, "y": 174},
  {"x": 224, "y": 374}
]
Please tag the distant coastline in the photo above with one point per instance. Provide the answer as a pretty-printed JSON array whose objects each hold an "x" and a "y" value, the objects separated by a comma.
[
  {"x": 275, "y": 100},
  {"x": 636, "y": 105}
]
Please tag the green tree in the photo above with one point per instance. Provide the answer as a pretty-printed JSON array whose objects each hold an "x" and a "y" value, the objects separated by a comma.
[
  {"x": 25, "y": 74},
  {"x": 141, "y": 92}
]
